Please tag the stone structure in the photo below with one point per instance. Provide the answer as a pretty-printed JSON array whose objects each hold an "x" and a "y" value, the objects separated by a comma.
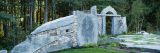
[
  {"x": 3, "y": 51},
  {"x": 78, "y": 29},
  {"x": 118, "y": 23}
]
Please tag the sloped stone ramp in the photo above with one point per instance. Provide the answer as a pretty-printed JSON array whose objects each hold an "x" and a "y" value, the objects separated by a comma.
[{"x": 62, "y": 33}]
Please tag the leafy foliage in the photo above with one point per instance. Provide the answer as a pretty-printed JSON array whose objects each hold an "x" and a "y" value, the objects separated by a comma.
[{"x": 5, "y": 16}]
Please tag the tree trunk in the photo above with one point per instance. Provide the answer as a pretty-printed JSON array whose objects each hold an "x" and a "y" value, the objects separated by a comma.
[
  {"x": 5, "y": 29},
  {"x": 40, "y": 12},
  {"x": 46, "y": 11},
  {"x": 24, "y": 14},
  {"x": 31, "y": 13},
  {"x": 53, "y": 9},
  {"x": 37, "y": 14}
]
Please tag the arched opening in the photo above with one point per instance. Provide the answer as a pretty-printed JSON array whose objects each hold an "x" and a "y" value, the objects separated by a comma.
[
  {"x": 108, "y": 22},
  {"x": 107, "y": 27}
]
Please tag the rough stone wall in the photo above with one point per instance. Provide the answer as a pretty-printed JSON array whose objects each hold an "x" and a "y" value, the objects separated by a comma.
[
  {"x": 71, "y": 31},
  {"x": 93, "y": 10},
  {"x": 78, "y": 29},
  {"x": 100, "y": 24},
  {"x": 3, "y": 51},
  {"x": 118, "y": 23},
  {"x": 115, "y": 25},
  {"x": 87, "y": 29},
  {"x": 52, "y": 36},
  {"x": 122, "y": 25}
]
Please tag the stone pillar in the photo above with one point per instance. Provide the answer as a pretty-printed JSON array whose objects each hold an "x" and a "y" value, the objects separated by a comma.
[
  {"x": 103, "y": 24},
  {"x": 93, "y": 10},
  {"x": 87, "y": 29},
  {"x": 100, "y": 24},
  {"x": 119, "y": 25},
  {"x": 115, "y": 26},
  {"x": 122, "y": 25},
  {"x": 125, "y": 24}
]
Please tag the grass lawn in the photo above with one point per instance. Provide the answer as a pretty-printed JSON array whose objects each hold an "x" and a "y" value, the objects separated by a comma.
[{"x": 89, "y": 50}]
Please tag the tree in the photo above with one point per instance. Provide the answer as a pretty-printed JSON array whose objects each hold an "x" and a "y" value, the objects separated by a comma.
[
  {"x": 31, "y": 12},
  {"x": 5, "y": 17},
  {"x": 46, "y": 11},
  {"x": 158, "y": 19},
  {"x": 138, "y": 11}
]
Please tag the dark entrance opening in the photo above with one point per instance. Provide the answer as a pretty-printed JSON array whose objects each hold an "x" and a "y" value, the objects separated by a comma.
[{"x": 109, "y": 22}]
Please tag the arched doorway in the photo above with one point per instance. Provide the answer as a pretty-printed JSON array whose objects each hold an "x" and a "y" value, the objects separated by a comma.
[{"x": 108, "y": 20}]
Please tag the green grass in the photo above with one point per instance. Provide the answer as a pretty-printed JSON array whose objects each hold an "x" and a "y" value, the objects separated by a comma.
[{"x": 89, "y": 50}]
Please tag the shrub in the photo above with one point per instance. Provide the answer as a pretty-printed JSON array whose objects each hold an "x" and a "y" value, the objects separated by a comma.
[{"x": 90, "y": 45}]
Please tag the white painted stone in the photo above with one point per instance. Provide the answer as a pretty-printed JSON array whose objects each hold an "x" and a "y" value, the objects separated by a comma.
[
  {"x": 94, "y": 10},
  {"x": 143, "y": 33},
  {"x": 55, "y": 24},
  {"x": 3, "y": 51},
  {"x": 149, "y": 46},
  {"x": 52, "y": 36},
  {"x": 118, "y": 23},
  {"x": 87, "y": 29},
  {"x": 140, "y": 41},
  {"x": 78, "y": 29},
  {"x": 100, "y": 23},
  {"x": 109, "y": 9},
  {"x": 61, "y": 34},
  {"x": 123, "y": 25}
]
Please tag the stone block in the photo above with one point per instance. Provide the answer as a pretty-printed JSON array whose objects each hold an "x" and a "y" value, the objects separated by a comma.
[
  {"x": 87, "y": 28},
  {"x": 3, "y": 51}
]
